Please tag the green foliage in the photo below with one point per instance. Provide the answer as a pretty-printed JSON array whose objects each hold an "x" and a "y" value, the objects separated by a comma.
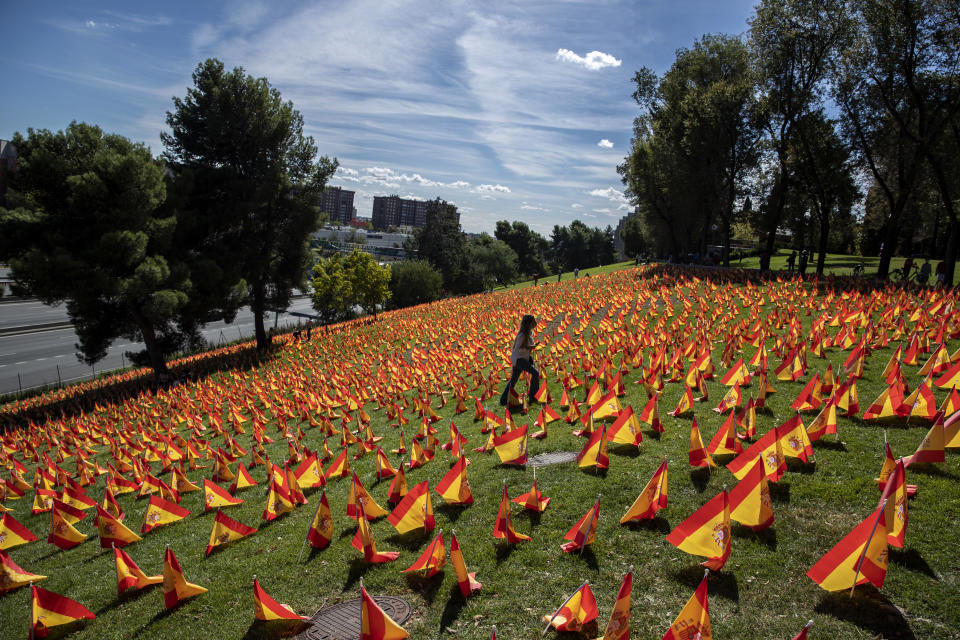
[
  {"x": 441, "y": 242},
  {"x": 370, "y": 282},
  {"x": 531, "y": 248},
  {"x": 579, "y": 246},
  {"x": 86, "y": 227},
  {"x": 255, "y": 182},
  {"x": 341, "y": 283},
  {"x": 414, "y": 282},
  {"x": 488, "y": 262},
  {"x": 632, "y": 233}
]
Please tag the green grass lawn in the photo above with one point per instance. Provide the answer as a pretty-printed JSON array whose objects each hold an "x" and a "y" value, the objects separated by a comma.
[{"x": 762, "y": 592}]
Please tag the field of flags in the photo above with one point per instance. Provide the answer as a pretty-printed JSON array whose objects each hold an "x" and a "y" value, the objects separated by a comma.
[{"x": 754, "y": 458}]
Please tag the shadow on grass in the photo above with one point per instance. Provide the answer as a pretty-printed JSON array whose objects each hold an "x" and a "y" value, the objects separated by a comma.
[
  {"x": 766, "y": 537},
  {"x": 796, "y": 465},
  {"x": 358, "y": 567},
  {"x": 779, "y": 492},
  {"x": 722, "y": 583},
  {"x": 411, "y": 541},
  {"x": 451, "y": 612},
  {"x": 274, "y": 629},
  {"x": 504, "y": 549},
  {"x": 130, "y": 595},
  {"x": 63, "y": 631},
  {"x": 451, "y": 511},
  {"x": 835, "y": 445},
  {"x": 931, "y": 469},
  {"x": 534, "y": 517},
  {"x": 700, "y": 478},
  {"x": 594, "y": 471},
  {"x": 911, "y": 559},
  {"x": 657, "y": 524},
  {"x": 625, "y": 451},
  {"x": 427, "y": 587},
  {"x": 650, "y": 433},
  {"x": 869, "y": 610}
]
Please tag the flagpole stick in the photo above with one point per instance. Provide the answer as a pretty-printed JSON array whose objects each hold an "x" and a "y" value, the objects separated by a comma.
[
  {"x": 307, "y": 537},
  {"x": 30, "y": 623},
  {"x": 434, "y": 545},
  {"x": 557, "y": 612},
  {"x": 856, "y": 573}
]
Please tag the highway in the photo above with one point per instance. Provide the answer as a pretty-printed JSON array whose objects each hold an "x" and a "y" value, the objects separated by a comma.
[{"x": 44, "y": 357}]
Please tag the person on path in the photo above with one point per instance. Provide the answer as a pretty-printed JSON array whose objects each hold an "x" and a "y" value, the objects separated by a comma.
[
  {"x": 803, "y": 263},
  {"x": 522, "y": 359},
  {"x": 924, "y": 275},
  {"x": 941, "y": 274},
  {"x": 791, "y": 260}
]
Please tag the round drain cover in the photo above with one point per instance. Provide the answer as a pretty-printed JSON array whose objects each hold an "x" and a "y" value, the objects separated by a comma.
[
  {"x": 555, "y": 457},
  {"x": 342, "y": 621}
]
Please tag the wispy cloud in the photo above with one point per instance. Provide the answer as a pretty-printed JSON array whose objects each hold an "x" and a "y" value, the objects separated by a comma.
[
  {"x": 595, "y": 60},
  {"x": 606, "y": 144}
]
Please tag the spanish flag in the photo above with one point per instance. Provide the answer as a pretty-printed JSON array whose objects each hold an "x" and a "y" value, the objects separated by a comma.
[
  {"x": 651, "y": 499},
  {"x": 12, "y": 576},
  {"x": 931, "y": 449},
  {"x": 363, "y": 542},
  {"x": 12, "y": 533},
  {"x": 651, "y": 413},
  {"x": 706, "y": 532},
  {"x": 512, "y": 446},
  {"x": 454, "y": 487},
  {"x": 619, "y": 626},
  {"x": 725, "y": 441},
  {"x": 243, "y": 479},
  {"x": 113, "y": 533},
  {"x": 860, "y": 557},
  {"x": 825, "y": 423},
  {"x": 750, "y": 503},
  {"x": 432, "y": 559},
  {"x": 360, "y": 499},
  {"x": 503, "y": 527},
  {"x": 466, "y": 581},
  {"x": 766, "y": 448},
  {"x": 579, "y": 609},
  {"x": 685, "y": 403},
  {"x": 278, "y": 501},
  {"x": 175, "y": 585},
  {"x": 161, "y": 512},
  {"x": 321, "y": 528},
  {"x": 309, "y": 474},
  {"x": 594, "y": 452},
  {"x": 129, "y": 574},
  {"x": 533, "y": 500},
  {"x": 51, "y": 609},
  {"x": 215, "y": 496},
  {"x": 374, "y": 623},
  {"x": 693, "y": 620},
  {"x": 339, "y": 468},
  {"x": 697, "y": 453},
  {"x": 384, "y": 468},
  {"x": 415, "y": 511},
  {"x": 62, "y": 533},
  {"x": 398, "y": 486},
  {"x": 226, "y": 529},
  {"x": 266, "y": 608},
  {"x": 584, "y": 532},
  {"x": 626, "y": 429},
  {"x": 896, "y": 510}
]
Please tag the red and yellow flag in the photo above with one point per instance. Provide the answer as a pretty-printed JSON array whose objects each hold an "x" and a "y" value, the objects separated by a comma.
[
  {"x": 129, "y": 574},
  {"x": 896, "y": 510},
  {"x": 415, "y": 511},
  {"x": 432, "y": 559},
  {"x": 62, "y": 532},
  {"x": 651, "y": 499},
  {"x": 454, "y": 487},
  {"x": 278, "y": 501},
  {"x": 161, "y": 512},
  {"x": 512, "y": 446},
  {"x": 321, "y": 528},
  {"x": 618, "y": 628},
  {"x": 533, "y": 500},
  {"x": 584, "y": 532},
  {"x": 706, "y": 532},
  {"x": 243, "y": 479},
  {"x": 363, "y": 541},
  {"x": 625, "y": 429},
  {"x": 578, "y": 610},
  {"x": 697, "y": 453},
  {"x": 49, "y": 609},
  {"x": 12, "y": 576},
  {"x": 358, "y": 496},
  {"x": 175, "y": 585},
  {"x": 112, "y": 531},
  {"x": 860, "y": 557},
  {"x": 226, "y": 529},
  {"x": 374, "y": 623},
  {"x": 693, "y": 621},
  {"x": 466, "y": 581},
  {"x": 750, "y": 503},
  {"x": 12, "y": 533},
  {"x": 266, "y": 608},
  {"x": 594, "y": 453},
  {"x": 503, "y": 527},
  {"x": 767, "y": 449}
]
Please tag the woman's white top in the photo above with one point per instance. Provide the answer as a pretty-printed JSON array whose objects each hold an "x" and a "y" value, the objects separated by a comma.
[{"x": 520, "y": 349}]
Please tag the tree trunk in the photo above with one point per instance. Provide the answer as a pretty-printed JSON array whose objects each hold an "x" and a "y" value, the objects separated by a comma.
[
  {"x": 257, "y": 307},
  {"x": 157, "y": 362},
  {"x": 824, "y": 238},
  {"x": 951, "y": 257},
  {"x": 889, "y": 246}
]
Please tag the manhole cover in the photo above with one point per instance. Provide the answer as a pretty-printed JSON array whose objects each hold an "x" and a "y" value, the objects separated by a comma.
[
  {"x": 342, "y": 621},
  {"x": 555, "y": 457}
]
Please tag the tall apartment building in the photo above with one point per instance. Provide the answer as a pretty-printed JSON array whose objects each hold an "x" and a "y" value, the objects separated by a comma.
[
  {"x": 394, "y": 211},
  {"x": 338, "y": 203}
]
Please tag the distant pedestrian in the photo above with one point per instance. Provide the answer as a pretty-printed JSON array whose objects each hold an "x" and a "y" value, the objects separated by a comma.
[
  {"x": 803, "y": 262},
  {"x": 536, "y": 279},
  {"x": 791, "y": 261},
  {"x": 309, "y": 328},
  {"x": 924, "y": 274},
  {"x": 522, "y": 360},
  {"x": 941, "y": 274},
  {"x": 576, "y": 273},
  {"x": 558, "y": 275}
]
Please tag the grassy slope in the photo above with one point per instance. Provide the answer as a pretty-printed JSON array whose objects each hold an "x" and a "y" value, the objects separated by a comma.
[{"x": 762, "y": 592}]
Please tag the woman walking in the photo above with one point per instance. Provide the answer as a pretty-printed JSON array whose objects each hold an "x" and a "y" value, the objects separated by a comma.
[{"x": 522, "y": 360}]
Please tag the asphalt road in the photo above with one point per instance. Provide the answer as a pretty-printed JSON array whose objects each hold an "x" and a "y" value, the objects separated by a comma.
[{"x": 44, "y": 357}]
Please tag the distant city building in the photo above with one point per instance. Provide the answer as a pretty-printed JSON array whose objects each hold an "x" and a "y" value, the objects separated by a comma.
[
  {"x": 338, "y": 204},
  {"x": 394, "y": 211},
  {"x": 618, "y": 244}
]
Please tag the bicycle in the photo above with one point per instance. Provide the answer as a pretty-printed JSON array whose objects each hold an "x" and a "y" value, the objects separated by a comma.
[{"x": 905, "y": 277}]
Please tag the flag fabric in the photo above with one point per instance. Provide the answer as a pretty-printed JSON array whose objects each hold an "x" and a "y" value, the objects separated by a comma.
[
  {"x": 339, "y": 468},
  {"x": 651, "y": 499},
  {"x": 161, "y": 512},
  {"x": 278, "y": 501},
  {"x": 375, "y": 624},
  {"x": 415, "y": 511},
  {"x": 68, "y": 512},
  {"x": 750, "y": 503},
  {"x": 651, "y": 413},
  {"x": 594, "y": 453},
  {"x": 697, "y": 453},
  {"x": 503, "y": 527},
  {"x": 825, "y": 423},
  {"x": 321, "y": 528},
  {"x": 931, "y": 449},
  {"x": 860, "y": 557},
  {"x": 267, "y": 609},
  {"x": 693, "y": 621},
  {"x": 49, "y": 609},
  {"x": 618, "y": 628},
  {"x": 43, "y": 500},
  {"x": 577, "y": 611},
  {"x": 243, "y": 479},
  {"x": 584, "y": 532},
  {"x": 896, "y": 510},
  {"x": 432, "y": 559},
  {"x": 384, "y": 468},
  {"x": 533, "y": 500},
  {"x": 794, "y": 441},
  {"x": 725, "y": 441},
  {"x": 309, "y": 473},
  {"x": 12, "y": 533},
  {"x": 129, "y": 574},
  {"x": 768, "y": 449},
  {"x": 511, "y": 447},
  {"x": 803, "y": 632},
  {"x": 360, "y": 499},
  {"x": 363, "y": 542},
  {"x": 625, "y": 429},
  {"x": 454, "y": 487},
  {"x": 63, "y": 534},
  {"x": 215, "y": 496},
  {"x": 113, "y": 533},
  {"x": 12, "y": 576},
  {"x": 398, "y": 487},
  {"x": 685, "y": 403},
  {"x": 226, "y": 529},
  {"x": 175, "y": 585},
  {"x": 706, "y": 532},
  {"x": 466, "y": 581}
]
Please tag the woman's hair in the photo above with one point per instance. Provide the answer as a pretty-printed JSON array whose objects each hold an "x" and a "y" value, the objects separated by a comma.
[{"x": 527, "y": 323}]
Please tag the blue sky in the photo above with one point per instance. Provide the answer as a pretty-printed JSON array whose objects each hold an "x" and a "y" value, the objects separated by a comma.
[{"x": 511, "y": 110}]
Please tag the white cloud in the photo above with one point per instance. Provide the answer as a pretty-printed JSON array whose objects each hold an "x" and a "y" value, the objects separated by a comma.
[
  {"x": 606, "y": 144},
  {"x": 91, "y": 24},
  {"x": 345, "y": 171},
  {"x": 611, "y": 194},
  {"x": 576, "y": 205},
  {"x": 605, "y": 211},
  {"x": 595, "y": 60},
  {"x": 531, "y": 207},
  {"x": 493, "y": 187},
  {"x": 459, "y": 184},
  {"x": 487, "y": 197}
]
